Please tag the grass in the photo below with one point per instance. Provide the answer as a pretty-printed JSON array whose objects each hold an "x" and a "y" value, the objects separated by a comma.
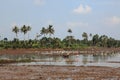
[{"x": 14, "y": 61}]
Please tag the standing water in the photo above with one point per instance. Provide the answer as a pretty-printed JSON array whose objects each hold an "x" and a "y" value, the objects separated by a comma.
[{"x": 109, "y": 59}]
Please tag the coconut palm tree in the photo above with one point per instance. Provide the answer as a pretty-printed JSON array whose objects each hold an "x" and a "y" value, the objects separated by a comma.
[
  {"x": 28, "y": 29},
  {"x": 50, "y": 30},
  {"x": 85, "y": 36},
  {"x": 43, "y": 31},
  {"x": 90, "y": 39},
  {"x": 15, "y": 30},
  {"x": 69, "y": 31},
  {"x": 90, "y": 35},
  {"x": 95, "y": 40},
  {"x": 24, "y": 30},
  {"x": 69, "y": 38}
]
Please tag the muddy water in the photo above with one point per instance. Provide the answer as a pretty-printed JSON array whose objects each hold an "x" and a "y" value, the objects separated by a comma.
[{"x": 102, "y": 59}]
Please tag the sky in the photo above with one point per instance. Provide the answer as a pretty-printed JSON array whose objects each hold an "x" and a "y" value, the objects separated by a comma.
[{"x": 90, "y": 16}]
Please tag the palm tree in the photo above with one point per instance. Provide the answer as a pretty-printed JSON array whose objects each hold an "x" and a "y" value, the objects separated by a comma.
[
  {"x": 24, "y": 30},
  {"x": 43, "y": 31},
  {"x": 90, "y": 35},
  {"x": 90, "y": 39},
  {"x": 95, "y": 40},
  {"x": 85, "y": 36},
  {"x": 103, "y": 39},
  {"x": 50, "y": 30},
  {"x": 70, "y": 38},
  {"x": 15, "y": 30},
  {"x": 28, "y": 29},
  {"x": 69, "y": 31}
]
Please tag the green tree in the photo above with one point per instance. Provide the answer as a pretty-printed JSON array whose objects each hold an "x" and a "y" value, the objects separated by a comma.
[
  {"x": 57, "y": 43},
  {"x": 28, "y": 29},
  {"x": 50, "y": 30},
  {"x": 103, "y": 39},
  {"x": 24, "y": 30},
  {"x": 90, "y": 35},
  {"x": 110, "y": 42},
  {"x": 95, "y": 39},
  {"x": 43, "y": 31},
  {"x": 85, "y": 37},
  {"x": 69, "y": 31},
  {"x": 69, "y": 39},
  {"x": 90, "y": 41},
  {"x": 15, "y": 30},
  {"x": 44, "y": 42}
]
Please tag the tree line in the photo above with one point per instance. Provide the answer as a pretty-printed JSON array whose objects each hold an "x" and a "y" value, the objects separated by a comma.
[{"x": 44, "y": 40}]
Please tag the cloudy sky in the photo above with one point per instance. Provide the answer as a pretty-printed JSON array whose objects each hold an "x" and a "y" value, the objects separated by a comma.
[{"x": 91, "y": 16}]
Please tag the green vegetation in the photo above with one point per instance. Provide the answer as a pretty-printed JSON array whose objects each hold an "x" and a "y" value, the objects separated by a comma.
[
  {"x": 44, "y": 40},
  {"x": 14, "y": 61}
]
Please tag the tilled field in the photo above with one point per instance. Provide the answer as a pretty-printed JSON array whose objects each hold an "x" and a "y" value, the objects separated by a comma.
[{"x": 10, "y": 72}]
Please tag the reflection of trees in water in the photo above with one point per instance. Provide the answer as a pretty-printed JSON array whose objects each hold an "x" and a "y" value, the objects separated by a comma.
[
  {"x": 70, "y": 60},
  {"x": 102, "y": 57},
  {"x": 57, "y": 58},
  {"x": 85, "y": 59},
  {"x": 95, "y": 58}
]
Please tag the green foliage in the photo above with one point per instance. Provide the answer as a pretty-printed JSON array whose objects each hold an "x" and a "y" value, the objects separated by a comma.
[
  {"x": 35, "y": 45},
  {"x": 69, "y": 42},
  {"x": 15, "y": 30},
  {"x": 85, "y": 37},
  {"x": 14, "y": 61}
]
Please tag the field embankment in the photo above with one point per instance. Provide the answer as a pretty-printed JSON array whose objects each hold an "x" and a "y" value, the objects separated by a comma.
[{"x": 60, "y": 51}]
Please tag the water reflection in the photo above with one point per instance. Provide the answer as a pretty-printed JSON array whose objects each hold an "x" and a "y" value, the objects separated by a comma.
[
  {"x": 101, "y": 59},
  {"x": 70, "y": 60},
  {"x": 85, "y": 59}
]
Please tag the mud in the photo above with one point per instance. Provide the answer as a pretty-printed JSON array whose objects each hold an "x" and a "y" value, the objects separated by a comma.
[{"x": 10, "y": 72}]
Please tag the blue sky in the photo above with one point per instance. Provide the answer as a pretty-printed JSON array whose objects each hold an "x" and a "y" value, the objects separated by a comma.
[{"x": 91, "y": 16}]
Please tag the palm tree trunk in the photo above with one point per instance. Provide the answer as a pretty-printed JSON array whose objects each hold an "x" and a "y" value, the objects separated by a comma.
[
  {"x": 28, "y": 36},
  {"x": 24, "y": 37},
  {"x": 16, "y": 35}
]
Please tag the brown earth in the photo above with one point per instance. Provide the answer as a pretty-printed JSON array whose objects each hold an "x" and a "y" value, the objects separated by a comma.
[
  {"x": 86, "y": 50},
  {"x": 12, "y": 72}
]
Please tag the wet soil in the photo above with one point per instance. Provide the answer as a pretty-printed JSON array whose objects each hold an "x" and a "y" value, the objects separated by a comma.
[
  {"x": 14, "y": 72},
  {"x": 39, "y": 72},
  {"x": 52, "y": 52}
]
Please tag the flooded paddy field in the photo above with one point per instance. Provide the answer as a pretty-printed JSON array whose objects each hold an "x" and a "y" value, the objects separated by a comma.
[
  {"x": 37, "y": 66},
  {"x": 101, "y": 59}
]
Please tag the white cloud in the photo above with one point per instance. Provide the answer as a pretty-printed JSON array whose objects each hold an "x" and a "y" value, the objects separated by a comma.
[
  {"x": 76, "y": 24},
  {"x": 113, "y": 20},
  {"x": 39, "y": 2},
  {"x": 82, "y": 9}
]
